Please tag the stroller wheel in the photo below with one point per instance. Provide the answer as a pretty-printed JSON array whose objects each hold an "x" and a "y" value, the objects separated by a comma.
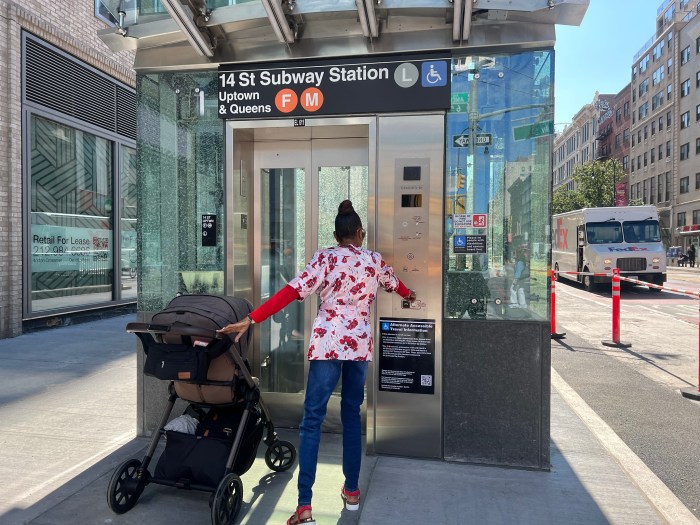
[
  {"x": 227, "y": 500},
  {"x": 280, "y": 456},
  {"x": 125, "y": 487}
]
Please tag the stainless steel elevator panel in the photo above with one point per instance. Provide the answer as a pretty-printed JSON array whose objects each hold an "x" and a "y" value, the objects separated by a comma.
[{"x": 409, "y": 236}]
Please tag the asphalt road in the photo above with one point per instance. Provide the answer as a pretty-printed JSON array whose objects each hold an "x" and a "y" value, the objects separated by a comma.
[{"x": 636, "y": 390}]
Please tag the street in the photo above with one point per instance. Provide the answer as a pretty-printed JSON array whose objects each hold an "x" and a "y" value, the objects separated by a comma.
[{"x": 636, "y": 390}]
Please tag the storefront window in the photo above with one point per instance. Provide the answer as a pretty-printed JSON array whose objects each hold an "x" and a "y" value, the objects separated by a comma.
[
  {"x": 71, "y": 236},
  {"x": 499, "y": 137},
  {"x": 181, "y": 168}
]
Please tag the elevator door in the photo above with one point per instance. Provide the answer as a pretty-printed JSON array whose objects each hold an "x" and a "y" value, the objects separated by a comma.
[{"x": 298, "y": 186}]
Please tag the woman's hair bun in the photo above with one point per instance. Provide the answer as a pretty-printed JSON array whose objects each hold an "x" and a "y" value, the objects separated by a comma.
[{"x": 345, "y": 207}]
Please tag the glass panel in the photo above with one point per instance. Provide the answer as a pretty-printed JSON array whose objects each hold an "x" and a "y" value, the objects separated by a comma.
[
  {"x": 71, "y": 217},
  {"x": 497, "y": 186},
  {"x": 128, "y": 223},
  {"x": 335, "y": 184},
  {"x": 282, "y": 352},
  {"x": 181, "y": 171}
]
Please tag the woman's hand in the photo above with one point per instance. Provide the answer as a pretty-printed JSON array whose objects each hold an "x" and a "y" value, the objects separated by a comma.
[
  {"x": 412, "y": 296},
  {"x": 241, "y": 327}
]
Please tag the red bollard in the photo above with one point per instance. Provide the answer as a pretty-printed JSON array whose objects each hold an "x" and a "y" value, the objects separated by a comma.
[
  {"x": 616, "y": 313},
  {"x": 555, "y": 334}
]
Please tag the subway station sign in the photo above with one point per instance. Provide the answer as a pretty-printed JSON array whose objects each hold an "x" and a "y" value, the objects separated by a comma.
[{"x": 334, "y": 87}]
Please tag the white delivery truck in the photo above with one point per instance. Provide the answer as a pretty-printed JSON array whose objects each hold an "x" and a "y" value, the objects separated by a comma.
[{"x": 596, "y": 240}]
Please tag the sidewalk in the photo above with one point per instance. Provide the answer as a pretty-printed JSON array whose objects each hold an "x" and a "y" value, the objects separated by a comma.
[{"x": 67, "y": 402}]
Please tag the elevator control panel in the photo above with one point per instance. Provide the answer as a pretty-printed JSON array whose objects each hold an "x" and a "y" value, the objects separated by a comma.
[{"x": 412, "y": 179}]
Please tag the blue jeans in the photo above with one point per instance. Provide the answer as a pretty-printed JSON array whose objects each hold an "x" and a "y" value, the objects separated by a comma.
[{"x": 323, "y": 376}]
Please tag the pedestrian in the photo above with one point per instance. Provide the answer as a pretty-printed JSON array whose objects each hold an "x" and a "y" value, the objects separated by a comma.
[
  {"x": 691, "y": 255},
  {"x": 521, "y": 276},
  {"x": 346, "y": 278}
]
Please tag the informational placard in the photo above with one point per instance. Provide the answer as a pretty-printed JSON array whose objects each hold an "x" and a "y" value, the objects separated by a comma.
[
  {"x": 470, "y": 220},
  {"x": 407, "y": 355},
  {"x": 209, "y": 230},
  {"x": 334, "y": 86},
  {"x": 469, "y": 243},
  {"x": 64, "y": 248}
]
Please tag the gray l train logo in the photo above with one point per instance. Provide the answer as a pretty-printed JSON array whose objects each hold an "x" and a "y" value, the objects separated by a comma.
[{"x": 433, "y": 74}]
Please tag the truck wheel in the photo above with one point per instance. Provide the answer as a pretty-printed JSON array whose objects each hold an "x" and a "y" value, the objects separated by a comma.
[{"x": 588, "y": 283}]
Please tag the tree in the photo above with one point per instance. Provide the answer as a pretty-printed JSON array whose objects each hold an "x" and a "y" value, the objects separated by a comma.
[{"x": 595, "y": 187}]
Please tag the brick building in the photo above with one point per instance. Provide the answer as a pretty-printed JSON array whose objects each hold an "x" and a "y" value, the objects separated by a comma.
[
  {"x": 614, "y": 137},
  {"x": 67, "y": 165}
]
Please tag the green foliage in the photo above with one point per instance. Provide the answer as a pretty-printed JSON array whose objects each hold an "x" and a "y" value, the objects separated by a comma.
[{"x": 595, "y": 187}]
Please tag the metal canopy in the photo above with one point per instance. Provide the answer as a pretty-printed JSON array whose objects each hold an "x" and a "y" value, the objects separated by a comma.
[{"x": 196, "y": 37}]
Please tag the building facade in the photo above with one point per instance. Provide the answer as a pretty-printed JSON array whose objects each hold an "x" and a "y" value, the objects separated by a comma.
[
  {"x": 67, "y": 166},
  {"x": 614, "y": 139},
  {"x": 579, "y": 143}
]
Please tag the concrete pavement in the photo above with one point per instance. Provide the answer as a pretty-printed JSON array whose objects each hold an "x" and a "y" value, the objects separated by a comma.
[{"x": 67, "y": 406}]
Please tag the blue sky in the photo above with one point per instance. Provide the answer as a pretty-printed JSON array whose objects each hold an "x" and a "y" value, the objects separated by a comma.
[{"x": 597, "y": 55}]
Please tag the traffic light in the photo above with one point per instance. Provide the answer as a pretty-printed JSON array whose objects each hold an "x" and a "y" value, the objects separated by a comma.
[{"x": 461, "y": 181}]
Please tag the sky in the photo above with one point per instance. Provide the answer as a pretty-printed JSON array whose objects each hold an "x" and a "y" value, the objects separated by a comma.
[{"x": 597, "y": 55}]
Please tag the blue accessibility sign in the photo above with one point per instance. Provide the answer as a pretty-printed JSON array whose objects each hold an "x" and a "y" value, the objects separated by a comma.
[{"x": 434, "y": 73}]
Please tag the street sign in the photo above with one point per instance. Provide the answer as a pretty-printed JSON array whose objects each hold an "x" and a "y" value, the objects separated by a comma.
[
  {"x": 470, "y": 220},
  {"x": 459, "y": 102},
  {"x": 530, "y": 131},
  {"x": 462, "y": 141}
]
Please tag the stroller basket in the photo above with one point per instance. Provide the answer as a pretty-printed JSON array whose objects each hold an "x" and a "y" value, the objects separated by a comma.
[{"x": 210, "y": 371}]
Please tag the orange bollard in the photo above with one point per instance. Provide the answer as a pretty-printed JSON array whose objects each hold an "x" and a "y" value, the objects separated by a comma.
[
  {"x": 616, "y": 313},
  {"x": 555, "y": 334}
]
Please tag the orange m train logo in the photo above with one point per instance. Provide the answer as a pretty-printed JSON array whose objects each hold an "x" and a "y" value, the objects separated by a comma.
[{"x": 311, "y": 100}]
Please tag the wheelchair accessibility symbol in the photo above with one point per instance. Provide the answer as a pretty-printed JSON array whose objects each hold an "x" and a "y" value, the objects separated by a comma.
[
  {"x": 434, "y": 74},
  {"x": 460, "y": 241},
  {"x": 386, "y": 327}
]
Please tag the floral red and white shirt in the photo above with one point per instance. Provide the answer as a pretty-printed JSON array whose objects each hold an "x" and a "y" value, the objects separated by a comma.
[{"x": 346, "y": 279}]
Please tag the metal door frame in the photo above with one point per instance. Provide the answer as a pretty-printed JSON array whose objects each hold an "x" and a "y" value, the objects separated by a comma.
[{"x": 268, "y": 131}]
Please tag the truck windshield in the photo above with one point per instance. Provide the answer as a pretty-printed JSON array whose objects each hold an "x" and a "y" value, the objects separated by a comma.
[
  {"x": 603, "y": 232},
  {"x": 641, "y": 231}
]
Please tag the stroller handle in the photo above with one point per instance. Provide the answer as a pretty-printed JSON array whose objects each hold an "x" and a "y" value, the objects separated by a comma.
[{"x": 160, "y": 329}]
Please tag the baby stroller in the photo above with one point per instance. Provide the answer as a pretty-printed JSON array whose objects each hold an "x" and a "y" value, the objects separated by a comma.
[{"x": 211, "y": 372}]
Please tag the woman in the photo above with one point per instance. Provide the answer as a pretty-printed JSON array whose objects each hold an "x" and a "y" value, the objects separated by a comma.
[{"x": 346, "y": 278}]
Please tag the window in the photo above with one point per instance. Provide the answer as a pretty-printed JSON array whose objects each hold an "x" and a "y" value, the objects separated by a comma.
[
  {"x": 669, "y": 66},
  {"x": 634, "y": 73},
  {"x": 669, "y": 120},
  {"x": 632, "y": 168},
  {"x": 652, "y": 190},
  {"x": 668, "y": 185},
  {"x": 645, "y": 159},
  {"x": 657, "y": 100},
  {"x": 653, "y": 128},
  {"x": 680, "y": 219},
  {"x": 661, "y": 123},
  {"x": 696, "y": 216},
  {"x": 659, "y": 188},
  {"x": 645, "y": 62},
  {"x": 639, "y": 162},
  {"x": 653, "y": 155},
  {"x": 626, "y": 107},
  {"x": 697, "y": 181},
  {"x": 668, "y": 149},
  {"x": 618, "y": 115},
  {"x": 658, "y": 51},
  {"x": 684, "y": 185},
  {"x": 697, "y": 146},
  {"x": 644, "y": 192},
  {"x": 685, "y": 151},
  {"x": 102, "y": 12},
  {"x": 626, "y": 136},
  {"x": 658, "y": 75},
  {"x": 633, "y": 141},
  {"x": 697, "y": 79},
  {"x": 685, "y": 55},
  {"x": 626, "y": 162},
  {"x": 661, "y": 152},
  {"x": 685, "y": 120},
  {"x": 643, "y": 87},
  {"x": 697, "y": 45},
  {"x": 618, "y": 141},
  {"x": 685, "y": 88},
  {"x": 639, "y": 136},
  {"x": 669, "y": 92},
  {"x": 643, "y": 110},
  {"x": 697, "y": 112}
]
